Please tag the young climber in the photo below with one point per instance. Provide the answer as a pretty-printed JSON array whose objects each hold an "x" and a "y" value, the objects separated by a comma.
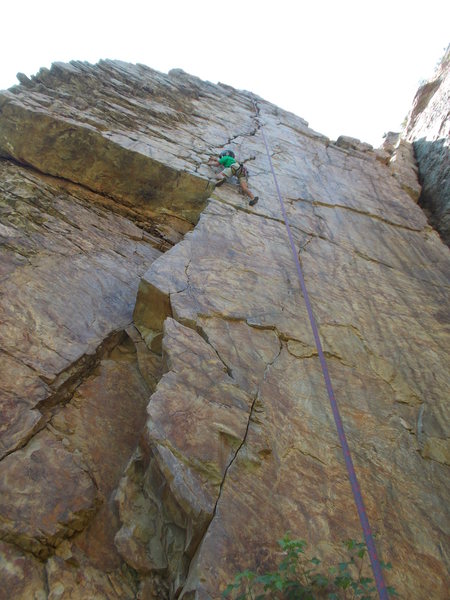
[{"x": 232, "y": 167}]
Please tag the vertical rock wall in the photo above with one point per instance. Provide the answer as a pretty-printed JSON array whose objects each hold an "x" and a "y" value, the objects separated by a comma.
[
  {"x": 238, "y": 444},
  {"x": 428, "y": 128}
]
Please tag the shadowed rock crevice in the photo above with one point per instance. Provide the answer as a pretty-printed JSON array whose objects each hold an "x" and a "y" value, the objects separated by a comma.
[
  {"x": 434, "y": 171},
  {"x": 59, "y": 392},
  {"x": 161, "y": 231},
  {"x": 427, "y": 128}
]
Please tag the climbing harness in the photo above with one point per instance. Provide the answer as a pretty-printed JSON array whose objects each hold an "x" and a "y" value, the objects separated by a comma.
[
  {"x": 239, "y": 170},
  {"x": 376, "y": 567}
]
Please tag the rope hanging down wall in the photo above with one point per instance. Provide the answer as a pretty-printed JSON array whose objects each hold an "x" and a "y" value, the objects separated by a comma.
[{"x": 376, "y": 567}]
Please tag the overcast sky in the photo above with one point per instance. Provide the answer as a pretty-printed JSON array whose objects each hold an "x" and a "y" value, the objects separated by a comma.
[{"x": 347, "y": 67}]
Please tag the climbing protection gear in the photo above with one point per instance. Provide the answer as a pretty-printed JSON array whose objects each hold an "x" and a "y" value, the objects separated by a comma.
[
  {"x": 376, "y": 567},
  {"x": 227, "y": 153},
  {"x": 239, "y": 170}
]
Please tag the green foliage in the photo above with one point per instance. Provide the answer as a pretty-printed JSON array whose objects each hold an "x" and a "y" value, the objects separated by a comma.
[{"x": 299, "y": 577}]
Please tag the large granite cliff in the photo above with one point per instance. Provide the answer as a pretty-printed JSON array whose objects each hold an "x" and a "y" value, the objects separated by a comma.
[{"x": 164, "y": 417}]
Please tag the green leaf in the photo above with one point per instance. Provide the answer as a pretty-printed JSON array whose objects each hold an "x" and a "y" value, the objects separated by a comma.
[
  {"x": 343, "y": 581},
  {"x": 268, "y": 580},
  {"x": 284, "y": 564},
  {"x": 320, "y": 580},
  {"x": 247, "y": 574},
  {"x": 297, "y": 576},
  {"x": 227, "y": 591},
  {"x": 392, "y": 591}
]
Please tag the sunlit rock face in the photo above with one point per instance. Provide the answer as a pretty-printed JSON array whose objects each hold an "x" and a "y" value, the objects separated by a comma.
[
  {"x": 399, "y": 155},
  {"x": 428, "y": 128},
  {"x": 165, "y": 419}
]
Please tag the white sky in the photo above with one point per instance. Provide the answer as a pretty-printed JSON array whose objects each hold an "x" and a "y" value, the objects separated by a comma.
[{"x": 348, "y": 67}]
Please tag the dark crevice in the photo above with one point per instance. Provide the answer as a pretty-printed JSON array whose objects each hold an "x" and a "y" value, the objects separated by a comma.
[
  {"x": 244, "y": 440},
  {"x": 204, "y": 335},
  {"x": 64, "y": 386},
  {"x": 67, "y": 381},
  {"x": 433, "y": 159},
  {"x": 153, "y": 228},
  {"x": 361, "y": 212}
]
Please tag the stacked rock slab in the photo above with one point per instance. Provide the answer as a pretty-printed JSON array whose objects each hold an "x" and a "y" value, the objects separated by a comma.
[{"x": 238, "y": 445}]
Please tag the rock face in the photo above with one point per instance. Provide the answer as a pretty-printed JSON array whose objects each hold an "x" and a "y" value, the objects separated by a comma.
[
  {"x": 428, "y": 128},
  {"x": 165, "y": 417},
  {"x": 399, "y": 155}
]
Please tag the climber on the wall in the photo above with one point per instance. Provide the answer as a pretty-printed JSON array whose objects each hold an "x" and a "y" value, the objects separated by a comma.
[{"x": 232, "y": 167}]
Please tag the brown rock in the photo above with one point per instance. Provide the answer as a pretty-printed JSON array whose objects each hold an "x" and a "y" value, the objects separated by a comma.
[
  {"x": 285, "y": 479},
  {"x": 239, "y": 346},
  {"x": 112, "y": 401},
  {"x": 404, "y": 167},
  {"x": 30, "y": 516},
  {"x": 58, "y": 245},
  {"x": 20, "y": 394},
  {"x": 192, "y": 441},
  {"x": 22, "y": 575},
  {"x": 235, "y": 268},
  {"x": 77, "y": 580},
  {"x": 139, "y": 539},
  {"x": 349, "y": 143},
  {"x": 95, "y": 143},
  {"x": 240, "y": 444}
]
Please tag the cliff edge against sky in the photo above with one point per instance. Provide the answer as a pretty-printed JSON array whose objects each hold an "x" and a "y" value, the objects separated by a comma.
[{"x": 165, "y": 417}]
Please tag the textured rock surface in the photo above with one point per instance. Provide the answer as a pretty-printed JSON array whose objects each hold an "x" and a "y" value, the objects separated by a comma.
[
  {"x": 284, "y": 474},
  {"x": 114, "y": 123},
  {"x": 428, "y": 128},
  {"x": 22, "y": 575},
  {"x": 70, "y": 271},
  {"x": 402, "y": 162},
  {"x": 33, "y": 518},
  {"x": 237, "y": 444}
]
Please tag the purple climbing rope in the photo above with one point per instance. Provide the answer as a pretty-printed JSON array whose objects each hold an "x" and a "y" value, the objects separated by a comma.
[{"x": 376, "y": 567}]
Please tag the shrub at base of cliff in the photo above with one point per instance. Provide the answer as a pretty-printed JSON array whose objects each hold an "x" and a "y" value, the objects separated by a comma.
[{"x": 299, "y": 578}]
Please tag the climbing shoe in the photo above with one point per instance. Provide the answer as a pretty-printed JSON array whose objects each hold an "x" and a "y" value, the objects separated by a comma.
[
  {"x": 220, "y": 182},
  {"x": 254, "y": 201}
]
